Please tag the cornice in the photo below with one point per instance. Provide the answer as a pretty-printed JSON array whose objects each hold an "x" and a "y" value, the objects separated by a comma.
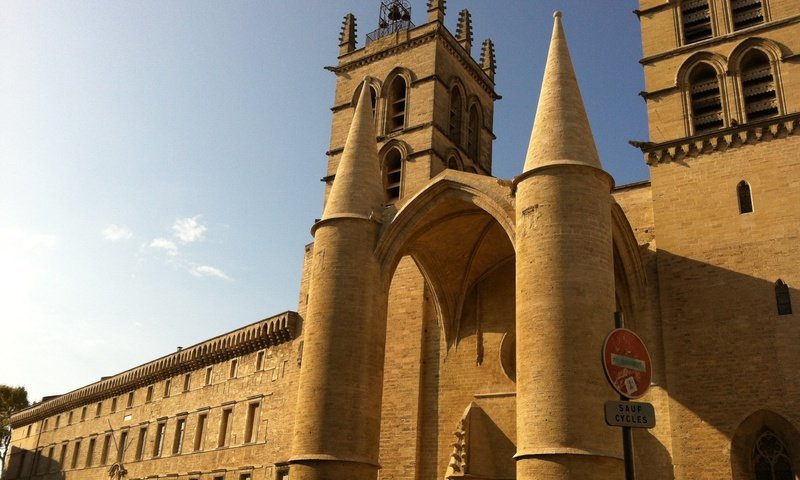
[
  {"x": 720, "y": 140},
  {"x": 265, "y": 333}
]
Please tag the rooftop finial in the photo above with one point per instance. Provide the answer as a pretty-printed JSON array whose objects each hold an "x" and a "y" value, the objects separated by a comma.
[
  {"x": 487, "y": 58},
  {"x": 347, "y": 39},
  {"x": 436, "y": 10},
  {"x": 464, "y": 30},
  {"x": 557, "y": 14}
]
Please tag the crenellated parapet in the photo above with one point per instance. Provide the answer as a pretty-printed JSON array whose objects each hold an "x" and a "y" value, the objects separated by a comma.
[
  {"x": 347, "y": 38},
  {"x": 487, "y": 61},
  {"x": 464, "y": 30},
  {"x": 256, "y": 336}
]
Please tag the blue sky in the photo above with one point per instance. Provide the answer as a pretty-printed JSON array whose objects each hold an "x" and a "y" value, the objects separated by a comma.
[{"x": 160, "y": 160}]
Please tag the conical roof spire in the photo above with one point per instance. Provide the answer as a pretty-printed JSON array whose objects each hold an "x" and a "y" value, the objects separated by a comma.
[
  {"x": 357, "y": 189},
  {"x": 561, "y": 132}
]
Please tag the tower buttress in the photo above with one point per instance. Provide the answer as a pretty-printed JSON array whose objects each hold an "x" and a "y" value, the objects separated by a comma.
[
  {"x": 564, "y": 288},
  {"x": 347, "y": 38},
  {"x": 487, "y": 58},
  {"x": 336, "y": 434},
  {"x": 464, "y": 30}
]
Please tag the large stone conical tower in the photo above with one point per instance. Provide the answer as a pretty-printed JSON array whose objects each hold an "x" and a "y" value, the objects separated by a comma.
[{"x": 565, "y": 288}]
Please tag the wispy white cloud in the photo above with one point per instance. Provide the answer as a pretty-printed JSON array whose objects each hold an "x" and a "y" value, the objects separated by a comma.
[
  {"x": 189, "y": 229},
  {"x": 209, "y": 271},
  {"x": 165, "y": 244},
  {"x": 114, "y": 233}
]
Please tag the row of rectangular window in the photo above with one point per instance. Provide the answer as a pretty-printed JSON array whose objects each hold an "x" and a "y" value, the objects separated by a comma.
[
  {"x": 187, "y": 378},
  {"x": 696, "y": 17},
  {"x": 223, "y": 440}
]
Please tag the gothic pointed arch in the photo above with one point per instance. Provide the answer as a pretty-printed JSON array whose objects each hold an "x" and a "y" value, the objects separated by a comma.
[
  {"x": 375, "y": 87},
  {"x": 474, "y": 127},
  {"x": 456, "y": 112},
  {"x": 395, "y": 90},
  {"x": 765, "y": 446},
  {"x": 755, "y": 63},
  {"x": 453, "y": 160},
  {"x": 702, "y": 80},
  {"x": 392, "y": 157}
]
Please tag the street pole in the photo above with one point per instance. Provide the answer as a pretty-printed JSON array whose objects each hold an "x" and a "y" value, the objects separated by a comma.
[{"x": 627, "y": 432}]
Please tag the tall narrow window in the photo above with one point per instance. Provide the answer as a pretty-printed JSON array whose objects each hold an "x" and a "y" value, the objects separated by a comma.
[
  {"x": 51, "y": 452},
  {"x": 260, "y": 360},
  {"x": 456, "y": 107},
  {"x": 187, "y": 382},
  {"x": 28, "y": 431},
  {"x": 696, "y": 19},
  {"x": 158, "y": 446},
  {"x": 149, "y": 397},
  {"x": 104, "y": 450},
  {"x": 130, "y": 400},
  {"x": 758, "y": 86},
  {"x": 473, "y": 134},
  {"x": 58, "y": 421},
  {"x": 113, "y": 405},
  {"x": 69, "y": 418},
  {"x": 392, "y": 174},
  {"x": 98, "y": 410},
  {"x": 746, "y": 13},
  {"x": 167, "y": 387},
  {"x": 251, "y": 426},
  {"x": 745, "y": 197},
  {"x": 90, "y": 452},
  {"x": 705, "y": 99},
  {"x": 234, "y": 366},
  {"x": 177, "y": 442},
  {"x": 208, "y": 375},
  {"x": 44, "y": 424},
  {"x": 75, "y": 454},
  {"x": 83, "y": 414},
  {"x": 396, "y": 118},
  {"x": 199, "y": 433},
  {"x": 770, "y": 458},
  {"x": 783, "y": 298},
  {"x": 141, "y": 443},
  {"x": 224, "y": 427},
  {"x": 62, "y": 457},
  {"x": 122, "y": 446},
  {"x": 373, "y": 98}
]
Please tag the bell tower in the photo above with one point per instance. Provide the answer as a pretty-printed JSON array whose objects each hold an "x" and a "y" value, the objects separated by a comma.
[{"x": 432, "y": 102}]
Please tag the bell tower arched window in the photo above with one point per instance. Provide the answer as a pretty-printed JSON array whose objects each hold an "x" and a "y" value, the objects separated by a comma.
[
  {"x": 706, "y": 99},
  {"x": 396, "y": 118},
  {"x": 696, "y": 20},
  {"x": 473, "y": 134},
  {"x": 456, "y": 107},
  {"x": 758, "y": 86},
  {"x": 770, "y": 458},
  {"x": 745, "y": 197},
  {"x": 392, "y": 175}
]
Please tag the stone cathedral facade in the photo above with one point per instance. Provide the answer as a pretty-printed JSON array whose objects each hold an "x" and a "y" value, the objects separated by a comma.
[{"x": 450, "y": 322}]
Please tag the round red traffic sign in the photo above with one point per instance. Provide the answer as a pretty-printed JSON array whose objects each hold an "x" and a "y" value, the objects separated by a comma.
[{"x": 627, "y": 363}]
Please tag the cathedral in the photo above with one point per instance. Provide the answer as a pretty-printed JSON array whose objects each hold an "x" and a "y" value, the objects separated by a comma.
[{"x": 450, "y": 323}]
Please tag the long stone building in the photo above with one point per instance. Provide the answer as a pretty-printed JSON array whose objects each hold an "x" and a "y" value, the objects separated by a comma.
[{"x": 450, "y": 323}]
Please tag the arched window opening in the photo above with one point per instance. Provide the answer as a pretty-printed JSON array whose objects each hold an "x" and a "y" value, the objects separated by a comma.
[
  {"x": 455, "y": 116},
  {"x": 758, "y": 86},
  {"x": 473, "y": 134},
  {"x": 373, "y": 97},
  {"x": 770, "y": 458},
  {"x": 705, "y": 99},
  {"x": 745, "y": 197},
  {"x": 696, "y": 19},
  {"x": 392, "y": 174},
  {"x": 746, "y": 13},
  {"x": 396, "y": 119},
  {"x": 782, "y": 298},
  {"x": 453, "y": 163}
]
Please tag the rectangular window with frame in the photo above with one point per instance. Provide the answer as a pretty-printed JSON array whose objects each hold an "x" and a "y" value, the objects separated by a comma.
[
  {"x": 130, "y": 400},
  {"x": 28, "y": 431},
  {"x": 69, "y": 418},
  {"x": 76, "y": 452},
  {"x": 149, "y": 397},
  {"x": 83, "y": 414},
  {"x": 167, "y": 387},
  {"x": 245, "y": 476},
  {"x": 209, "y": 374},
  {"x": 225, "y": 427},
  {"x": 113, "y": 405},
  {"x": 200, "y": 432},
  {"x": 187, "y": 382},
  {"x": 99, "y": 409},
  {"x": 90, "y": 451},
  {"x": 51, "y": 452},
  {"x": 234, "y": 367},
  {"x": 158, "y": 446},
  {"x": 141, "y": 443},
  {"x": 44, "y": 424},
  {"x": 180, "y": 430},
  {"x": 104, "y": 450},
  {"x": 58, "y": 421},
  {"x": 260, "y": 361},
  {"x": 282, "y": 472},
  {"x": 62, "y": 457},
  {"x": 251, "y": 425},
  {"x": 122, "y": 446}
]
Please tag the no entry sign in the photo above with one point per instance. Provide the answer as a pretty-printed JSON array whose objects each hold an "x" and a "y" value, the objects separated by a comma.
[{"x": 627, "y": 363}]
